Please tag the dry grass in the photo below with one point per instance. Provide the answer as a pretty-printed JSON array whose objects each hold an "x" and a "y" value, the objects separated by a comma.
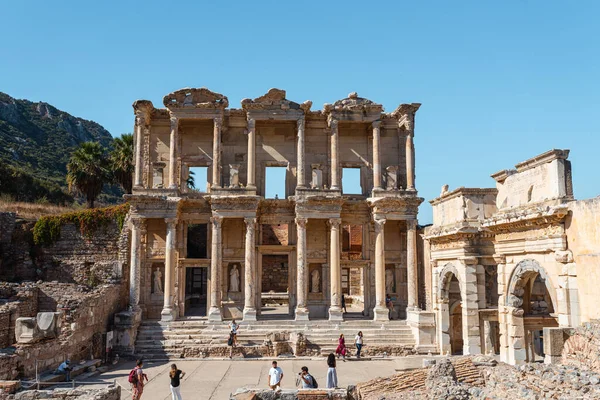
[{"x": 32, "y": 211}]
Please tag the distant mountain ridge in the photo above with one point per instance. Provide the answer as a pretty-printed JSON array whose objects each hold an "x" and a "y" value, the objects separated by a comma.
[{"x": 36, "y": 140}]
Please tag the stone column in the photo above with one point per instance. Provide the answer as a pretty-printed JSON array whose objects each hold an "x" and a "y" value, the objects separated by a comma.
[
  {"x": 335, "y": 182},
  {"x": 135, "y": 264},
  {"x": 216, "y": 170},
  {"x": 251, "y": 182},
  {"x": 139, "y": 142},
  {"x": 411, "y": 264},
  {"x": 410, "y": 162},
  {"x": 250, "y": 283},
  {"x": 173, "y": 153},
  {"x": 302, "y": 313},
  {"x": 214, "y": 313},
  {"x": 376, "y": 155},
  {"x": 335, "y": 308},
  {"x": 170, "y": 261},
  {"x": 301, "y": 176},
  {"x": 380, "y": 312}
]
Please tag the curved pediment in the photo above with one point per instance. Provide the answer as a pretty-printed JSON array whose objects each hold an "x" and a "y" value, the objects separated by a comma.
[
  {"x": 195, "y": 98},
  {"x": 353, "y": 103},
  {"x": 275, "y": 99}
]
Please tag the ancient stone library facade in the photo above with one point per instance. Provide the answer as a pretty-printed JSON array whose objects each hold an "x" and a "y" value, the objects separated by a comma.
[
  {"x": 502, "y": 270},
  {"x": 226, "y": 249}
]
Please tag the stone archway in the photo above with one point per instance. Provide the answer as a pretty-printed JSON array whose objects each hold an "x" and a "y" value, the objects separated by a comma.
[
  {"x": 530, "y": 302},
  {"x": 449, "y": 294}
]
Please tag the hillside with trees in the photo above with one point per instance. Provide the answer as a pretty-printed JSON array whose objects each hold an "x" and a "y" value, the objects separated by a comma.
[{"x": 37, "y": 141}]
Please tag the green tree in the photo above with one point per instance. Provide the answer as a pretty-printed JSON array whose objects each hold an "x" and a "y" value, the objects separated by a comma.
[
  {"x": 121, "y": 161},
  {"x": 190, "y": 181},
  {"x": 87, "y": 171}
]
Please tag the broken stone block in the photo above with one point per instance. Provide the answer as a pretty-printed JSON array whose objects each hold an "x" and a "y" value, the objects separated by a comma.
[
  {"x": 26, "y": 330},
  {"x": 48, "y": 324}
]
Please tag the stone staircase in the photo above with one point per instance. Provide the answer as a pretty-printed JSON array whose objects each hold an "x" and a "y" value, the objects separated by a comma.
[{"x": 197, "y": 338}]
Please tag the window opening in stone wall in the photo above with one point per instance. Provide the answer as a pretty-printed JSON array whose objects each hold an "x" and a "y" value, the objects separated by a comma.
[
  {"x": 197, "y": 179},
  {"x": 275, "y": 234},
  {"x": 197, "y": 241},
  {"x": 352, "y": 237},
  {"x": 351, "y": 181},
  {"x": 275, "y": 182}
]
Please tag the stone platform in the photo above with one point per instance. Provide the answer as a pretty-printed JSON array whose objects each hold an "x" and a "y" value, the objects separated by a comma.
[{"x": 199, "y": 338}]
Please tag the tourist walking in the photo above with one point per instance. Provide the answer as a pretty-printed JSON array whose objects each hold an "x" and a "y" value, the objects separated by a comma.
[
  {"x": 136, "y": 379},
  {"x": 358, "y": 341},
  {"x": 332, "y": 381},
  {"x": 341, "y": 348},
  {"x": 389, "y": 305},
  {"x": 175, "y": 375},
  {"x": 275, "y": 376},
  {"x": 344, "y": 303},
  {"x": 230, "y": 343},
  {"x": 306, "y": 379},
  {"x": 234, "y": 330}
]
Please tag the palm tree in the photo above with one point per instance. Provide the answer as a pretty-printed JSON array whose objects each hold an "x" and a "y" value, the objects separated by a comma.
[
  {"x": 87, "y": 171},
  {"x": 121, "y": 161},
  {"x": 190, "y": 181}
]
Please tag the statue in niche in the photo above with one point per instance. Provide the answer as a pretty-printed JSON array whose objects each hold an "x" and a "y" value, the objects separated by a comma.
[
  {"x": 389, "y": 281},
  {"x": 234, "y": 279},
  {"x": 158, "y": 281},
  {"x": 317, "y": 177},
  {"x": 315, "y": 278},
  {"x": 234, "y": 175}
]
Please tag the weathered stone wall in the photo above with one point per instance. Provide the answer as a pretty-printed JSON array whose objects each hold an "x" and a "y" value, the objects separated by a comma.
[
  {"x": 583, "y": 237},
  {"x": 17, "y": 252},
  {"x": 275, "y": 273},
  {"x": 111, "y": 393},
  {"x": 21, "y": 301},
  {"x": 275, "y": 234}
]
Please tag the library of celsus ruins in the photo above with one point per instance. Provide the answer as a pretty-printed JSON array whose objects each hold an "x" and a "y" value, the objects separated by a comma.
[{"x": 213, "y": 239}]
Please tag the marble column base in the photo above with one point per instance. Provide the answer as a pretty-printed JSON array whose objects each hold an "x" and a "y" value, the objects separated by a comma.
[
  {"x": 214, "y": 315},
  {"x": 302, "y": 314},
  {"x": 381, "y": 313},
  {"x": 335, "y": 314},
  {"x": 167, "y": 314},
  {"x": 249, "y": 314}
]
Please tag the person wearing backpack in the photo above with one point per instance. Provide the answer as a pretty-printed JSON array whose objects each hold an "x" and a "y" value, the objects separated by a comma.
[
  {"x": 136, "y": 379},
  {"x": 307, "y": 380}
]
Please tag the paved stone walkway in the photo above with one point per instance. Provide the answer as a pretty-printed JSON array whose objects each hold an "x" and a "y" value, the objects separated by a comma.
[{"x": 216, "y": 379}]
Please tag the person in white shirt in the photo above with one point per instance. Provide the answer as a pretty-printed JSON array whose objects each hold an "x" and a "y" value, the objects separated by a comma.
[
  {"x": 358, "y": 341},
  {"x": 65, "y": 368},
  {"x": 234, "y": 330},
  {"x": 275, "y": 376}
]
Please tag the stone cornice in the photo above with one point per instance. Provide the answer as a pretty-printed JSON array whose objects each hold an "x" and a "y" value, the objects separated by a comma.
[
  {"x": 523, "y": 218},
  {"x": 274, "y": 100},
  {"x": 396, "y": 207},
  {"x": 544, "y": 158}
]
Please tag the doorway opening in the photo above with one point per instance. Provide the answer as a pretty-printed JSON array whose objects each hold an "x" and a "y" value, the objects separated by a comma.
[
  {"x": 275, "y": 286},
  {"x": 455, "y": 309},
  {"x": 196, "y": 291}
]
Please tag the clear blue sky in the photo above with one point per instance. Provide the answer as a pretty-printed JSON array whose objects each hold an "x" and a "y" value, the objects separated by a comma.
[{"x": 499, "y": 81}]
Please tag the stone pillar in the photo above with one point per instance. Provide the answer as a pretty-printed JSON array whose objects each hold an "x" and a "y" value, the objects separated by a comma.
[
  {"x": 376, "y": 155},
  {"x": 216, "y": 170},
  {"x": 335, "y": 307},
  {"x": 410, "y": 162},
  {"x": 214, "y": 313},
  {"x": 135, "y": 264},
  {"x": 170, "y": 261},
  {"x": 411, "y": 264},
  {"x": 251, "y": 182},
  {"x": 380, "y": 312},
  {"x": 335, "y": 182},
  {"x": 470, "y": 306},
  {"x": 139, "y": 141},
  {"x": 301, "y": 175},
  {"x": 173, "y": 153},
  {"x": 250, "y": 283},
  {"x": 302, "y": 313}
]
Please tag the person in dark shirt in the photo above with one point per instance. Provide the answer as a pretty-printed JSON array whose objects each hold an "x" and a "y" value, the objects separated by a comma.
[{"x": 175, "y": 375}]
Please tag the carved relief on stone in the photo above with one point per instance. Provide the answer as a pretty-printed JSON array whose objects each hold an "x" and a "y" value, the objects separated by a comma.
[
  {"x": 317, "y": 176},
  {"x": 275, "y": 99},
  {"x": 195, "y": 97},
  {"x": 234, "y": 175},
  {"x": 354, "y": 103}
]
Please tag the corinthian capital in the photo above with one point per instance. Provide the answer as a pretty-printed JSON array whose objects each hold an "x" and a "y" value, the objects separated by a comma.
[
  {"x": 140, "y": 120},
  {"x": 301, "y": 222},
  {"x": 174, "y": 122},
  {"x": 300, "y": 124},
  {"x": 332, "y": 122},
  {"x": 250, "y": 223},
  {"x": 376, "y": 124},
  {"x": 251, "y": 123},
  {"x": 216, "y": 220},
  {"x": 379, "y": 224},
  {"x": 218, "y": 121},
  {"x": 334, "y": 222},
  {"x": 411, "y": 224}
]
